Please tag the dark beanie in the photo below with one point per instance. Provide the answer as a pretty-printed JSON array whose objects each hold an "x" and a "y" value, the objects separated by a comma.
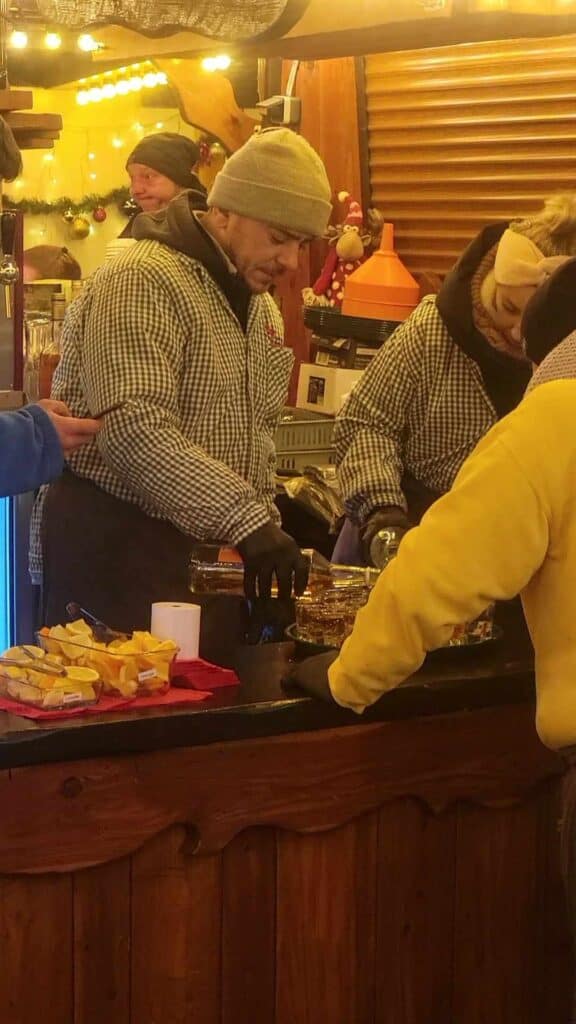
[
  {"x": 550, "y": 315},
  {"x": 170, "y": 154}
]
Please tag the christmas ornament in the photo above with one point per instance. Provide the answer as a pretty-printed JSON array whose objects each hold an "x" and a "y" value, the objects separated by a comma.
[
  {"x": 99, "y": 214},
  {"x": 79, "y": 227},
  {"x": 69, "y": 215}
]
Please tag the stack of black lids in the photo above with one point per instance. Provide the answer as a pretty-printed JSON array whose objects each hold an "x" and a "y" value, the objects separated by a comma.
[{"x": 328, "y": 322}]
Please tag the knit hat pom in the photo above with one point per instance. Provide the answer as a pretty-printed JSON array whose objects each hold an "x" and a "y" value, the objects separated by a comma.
[
  {"x": 354, "y": 217},
  {"x": 553, "y": 229}
]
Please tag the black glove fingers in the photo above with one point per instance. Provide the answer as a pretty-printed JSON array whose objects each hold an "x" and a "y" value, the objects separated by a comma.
[{"x": 265, "y": 574}]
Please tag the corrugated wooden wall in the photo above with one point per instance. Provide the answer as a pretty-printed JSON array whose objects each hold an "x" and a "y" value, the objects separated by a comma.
[{"x": 463, "y": 135}]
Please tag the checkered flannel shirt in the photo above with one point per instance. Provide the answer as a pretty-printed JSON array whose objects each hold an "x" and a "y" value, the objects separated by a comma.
[
  {"x": 194, "y": 402},
  {"x": 420, "y": 407}
]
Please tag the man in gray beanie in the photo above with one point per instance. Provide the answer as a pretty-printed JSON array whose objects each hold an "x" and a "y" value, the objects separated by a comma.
[{"x": 178, "y": 346}]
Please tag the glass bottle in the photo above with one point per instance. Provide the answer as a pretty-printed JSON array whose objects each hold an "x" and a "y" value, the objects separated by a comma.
[{"x": 218, "y": 570}]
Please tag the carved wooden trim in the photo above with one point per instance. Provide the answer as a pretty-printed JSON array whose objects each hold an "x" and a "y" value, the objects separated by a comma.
[{"x": 71, "y": 815}]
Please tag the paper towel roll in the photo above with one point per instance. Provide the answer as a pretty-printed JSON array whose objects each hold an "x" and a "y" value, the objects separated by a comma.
[{"x": 180, "y": 622}]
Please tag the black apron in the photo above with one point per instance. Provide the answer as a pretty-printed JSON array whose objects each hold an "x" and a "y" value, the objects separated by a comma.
[{"x": 116, "y": 561}]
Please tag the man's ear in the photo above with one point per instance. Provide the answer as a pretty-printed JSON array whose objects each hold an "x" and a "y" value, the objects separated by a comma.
[{"x": 220, "y": 218}]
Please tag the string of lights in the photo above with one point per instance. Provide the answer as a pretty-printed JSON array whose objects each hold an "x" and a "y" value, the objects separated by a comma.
[{"x": 111, "y": 84}]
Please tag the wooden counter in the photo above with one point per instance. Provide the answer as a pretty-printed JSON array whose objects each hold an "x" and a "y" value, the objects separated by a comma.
[{"x": 265, "y": 859}]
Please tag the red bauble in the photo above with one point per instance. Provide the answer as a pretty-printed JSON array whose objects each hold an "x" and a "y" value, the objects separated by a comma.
[{"x": 99, "y": 214}]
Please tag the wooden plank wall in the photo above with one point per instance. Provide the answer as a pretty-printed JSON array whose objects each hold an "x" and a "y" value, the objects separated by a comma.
[
  {"x": 463, "y": 135},
  {"x": 400, "y": 916}
]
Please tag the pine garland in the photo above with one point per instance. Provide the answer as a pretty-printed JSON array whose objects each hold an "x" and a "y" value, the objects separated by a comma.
[{"x": 65, "y": 205}]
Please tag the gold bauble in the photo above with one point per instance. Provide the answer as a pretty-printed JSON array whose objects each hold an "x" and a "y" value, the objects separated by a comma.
[{"x": 80, "y": 227}]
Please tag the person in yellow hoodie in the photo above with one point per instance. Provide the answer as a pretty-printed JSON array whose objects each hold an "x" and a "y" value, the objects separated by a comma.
[{"x": 507, "y": 527}]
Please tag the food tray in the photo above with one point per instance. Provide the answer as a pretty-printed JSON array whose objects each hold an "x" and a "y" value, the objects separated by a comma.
[
  {"x": 307, "y": 648},
  {"x": 133, "y": 673},
  {"x": 61, "y": 695}
]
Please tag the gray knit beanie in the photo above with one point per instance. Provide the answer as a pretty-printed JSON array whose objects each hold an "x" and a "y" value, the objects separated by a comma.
[{"x": 278, "y": 178}]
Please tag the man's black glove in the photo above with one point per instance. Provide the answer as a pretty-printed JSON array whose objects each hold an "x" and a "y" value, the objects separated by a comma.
[
  {"x": 270, "y": 552},
  {"x": 391, "y": 518},
  {"x": 312, "y": 675}
]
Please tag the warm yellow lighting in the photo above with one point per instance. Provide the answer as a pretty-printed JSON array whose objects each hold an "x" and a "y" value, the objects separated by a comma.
[
  {"x": 48, "y": 158},
  {"x": 82, "y": 97},
  {"x": 18, "y": 40},
  {"x": 108, "y": 91},
  {"x": 117, "y": 143},
  {"x": 52, "y": 41},
  {"x": 19, "y": 183},
  {"x": 220, "y": 63},
  {"x": 162, "y": 78},
  {"x": 149, "y": 80},
  {"x": 91, "y": 156},
  {"x": 135, "y": 83},
  {"x": 87, "y": 43},
  {"x": 159, "y": 125},
  {"x": 94, "y": 95},
  {"x": 122, "y": 88},
  {"x": 93, "y": 176}
]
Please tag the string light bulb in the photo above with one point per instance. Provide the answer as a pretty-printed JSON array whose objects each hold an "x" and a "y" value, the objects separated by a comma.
[
  {"x": 18, "y": 40},
  {"x": 87, "y": 43},
  {"x": 220, "y": 63},
  {"x": 52, "y": 41}
]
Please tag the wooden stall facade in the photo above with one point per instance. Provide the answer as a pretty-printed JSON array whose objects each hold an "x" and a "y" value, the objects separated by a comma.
[{"x": 393, "y": 873}]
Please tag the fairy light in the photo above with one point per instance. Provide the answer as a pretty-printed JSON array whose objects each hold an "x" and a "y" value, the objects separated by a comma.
[
  {"x": 87, "y": 43},
  {"x": 91, "y": 156},
  {"x": 48, "y": 158},
  {"x": 52, "y": 41},
  {"x": 220, "y": 63},
  {"x": 18, "y": 40},
  {"x": 126, "y": 81},
  {"x": 118, "y": 143}
]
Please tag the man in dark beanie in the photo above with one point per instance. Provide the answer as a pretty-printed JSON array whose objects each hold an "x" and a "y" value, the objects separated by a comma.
[
  {"x": 179, "y": 346},
  {"x": 160, "y": 167}
]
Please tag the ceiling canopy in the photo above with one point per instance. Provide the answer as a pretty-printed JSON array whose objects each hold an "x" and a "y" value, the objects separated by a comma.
[{"x": 229, "y": 20}]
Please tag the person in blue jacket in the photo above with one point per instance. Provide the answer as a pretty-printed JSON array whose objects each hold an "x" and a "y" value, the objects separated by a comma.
[{"x": 34, "y": 441}]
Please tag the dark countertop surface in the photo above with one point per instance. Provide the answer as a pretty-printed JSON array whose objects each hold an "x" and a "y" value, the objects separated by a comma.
[{"x": 450, "y": 681}]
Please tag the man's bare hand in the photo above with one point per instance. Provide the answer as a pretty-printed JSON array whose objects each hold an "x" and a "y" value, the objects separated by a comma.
[{"x": 72, "y": 431}]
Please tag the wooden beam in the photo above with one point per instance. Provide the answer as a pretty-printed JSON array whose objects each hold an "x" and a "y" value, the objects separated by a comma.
[
  {"x": 25, "y": 133},
  {"x": 53, "y": 122},
  {"x": 35, "y": 142},
  {"x": 16, "y": 99}
]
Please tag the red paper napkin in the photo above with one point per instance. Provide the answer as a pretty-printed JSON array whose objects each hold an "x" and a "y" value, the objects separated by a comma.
[
  {"x": 105, "y": 704},
  {"x": 202, "y": 675}
]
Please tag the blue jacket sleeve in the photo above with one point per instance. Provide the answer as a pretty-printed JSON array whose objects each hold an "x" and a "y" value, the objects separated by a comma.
[{"x": 30, "y": 450}]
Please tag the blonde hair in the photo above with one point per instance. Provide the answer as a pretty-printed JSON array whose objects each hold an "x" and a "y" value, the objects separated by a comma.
[{"x": 553, "y": 229}]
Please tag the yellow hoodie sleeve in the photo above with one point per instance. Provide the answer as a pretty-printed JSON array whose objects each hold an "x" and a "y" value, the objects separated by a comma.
[{"x": 481, "y": 542}]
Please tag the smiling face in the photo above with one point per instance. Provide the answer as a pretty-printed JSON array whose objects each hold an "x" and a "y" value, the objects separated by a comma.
[
  {"x": 150, "y": 189},
  {"x": 260, "y": 252}
]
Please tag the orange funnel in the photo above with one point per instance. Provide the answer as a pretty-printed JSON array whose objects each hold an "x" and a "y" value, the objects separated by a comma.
[{"x": 381, "y": 288}]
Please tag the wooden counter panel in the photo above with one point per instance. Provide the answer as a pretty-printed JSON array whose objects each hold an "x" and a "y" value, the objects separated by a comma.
[
  {"x": 102, "y": 931},
  {"x": 92, "y": 811},
  {"x": 398, "y": 873},
  {"x": 415, "y": 913}
]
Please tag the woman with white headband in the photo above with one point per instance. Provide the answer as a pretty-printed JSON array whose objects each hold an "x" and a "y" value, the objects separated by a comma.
[{"x": 446, "y": 375}]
